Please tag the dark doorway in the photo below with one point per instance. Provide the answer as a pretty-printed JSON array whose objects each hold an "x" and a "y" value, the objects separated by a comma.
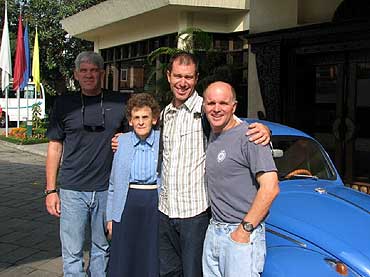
[{"x": 331, "y": 99}]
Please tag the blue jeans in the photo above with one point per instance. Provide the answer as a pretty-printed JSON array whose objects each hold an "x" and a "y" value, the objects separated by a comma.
[
  {"x": 79, "y": 209},
  {"x": 181, "y": 245},
  {"x": 224, "y": 257}
]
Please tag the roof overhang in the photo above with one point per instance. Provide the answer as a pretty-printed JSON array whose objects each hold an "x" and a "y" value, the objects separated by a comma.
[{"x": 121, "y": 16}]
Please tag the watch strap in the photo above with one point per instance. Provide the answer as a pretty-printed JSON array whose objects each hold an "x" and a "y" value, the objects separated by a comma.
[
  {"x": 50, "y": 191},
  {"x": 247, "y": 226}
]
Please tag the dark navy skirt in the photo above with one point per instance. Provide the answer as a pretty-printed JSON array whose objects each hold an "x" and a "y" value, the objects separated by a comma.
[{"x": 134, "y": 246}]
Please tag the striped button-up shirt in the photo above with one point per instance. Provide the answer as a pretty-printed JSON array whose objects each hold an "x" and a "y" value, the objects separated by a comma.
[{"x": 184, "y": 191}]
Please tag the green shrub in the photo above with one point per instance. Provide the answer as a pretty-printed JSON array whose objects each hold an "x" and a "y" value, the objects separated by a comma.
[
  {"x": 38, "y": 132},
  {"x": 36, "y": 116},
  {"x": 23, "y": 141}
]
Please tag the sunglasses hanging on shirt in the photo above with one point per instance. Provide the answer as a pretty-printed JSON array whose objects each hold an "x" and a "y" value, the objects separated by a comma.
[{"x": 90, "y": 127}]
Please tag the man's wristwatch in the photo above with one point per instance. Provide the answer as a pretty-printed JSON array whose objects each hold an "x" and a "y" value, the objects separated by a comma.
[
  {"x": 50, "y": 191},
  {"x": 247, "y": 226}
]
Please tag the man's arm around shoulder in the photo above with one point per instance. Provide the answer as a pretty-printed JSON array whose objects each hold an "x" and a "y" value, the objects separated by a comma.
[{"x": 54, "y": 155}]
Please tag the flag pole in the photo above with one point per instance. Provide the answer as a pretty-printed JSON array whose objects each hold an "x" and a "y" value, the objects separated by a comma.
[
  {"x": 18, "y": 89},
  {"x": 20, "y": 63},
  {"x": 26, "y": 95},
  {"x": 7, "y": 87},
  {"x": 26, "y": 73},
  {"x": 5, "y": 65},
  {"x": 7, "y": 111},
  {"x": 36, "y": 63}
]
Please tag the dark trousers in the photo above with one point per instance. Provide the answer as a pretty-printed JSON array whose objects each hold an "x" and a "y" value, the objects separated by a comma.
[{"x": 181, "y": 245}]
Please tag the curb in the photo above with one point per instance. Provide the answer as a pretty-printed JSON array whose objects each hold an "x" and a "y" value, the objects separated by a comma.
[{"x": 38, "y": 149}]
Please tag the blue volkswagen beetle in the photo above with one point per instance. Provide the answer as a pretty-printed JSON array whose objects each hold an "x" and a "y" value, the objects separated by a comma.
[{"x": 316, "y": 227}]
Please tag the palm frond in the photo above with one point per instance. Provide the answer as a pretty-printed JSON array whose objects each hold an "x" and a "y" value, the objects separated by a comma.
[
  {"x": 161, "y": 51},
  {"x": 195, "y": 39}
]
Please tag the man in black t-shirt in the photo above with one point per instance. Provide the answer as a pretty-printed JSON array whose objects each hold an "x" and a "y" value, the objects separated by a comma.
[{"x": 81, "y": 127}]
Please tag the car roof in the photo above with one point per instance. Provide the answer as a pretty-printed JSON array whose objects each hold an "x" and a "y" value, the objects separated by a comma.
[{"x": 278, "y": 129}]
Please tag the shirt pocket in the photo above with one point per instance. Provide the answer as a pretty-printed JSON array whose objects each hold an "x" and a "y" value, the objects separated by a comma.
[{"x": 191, "y": 137}]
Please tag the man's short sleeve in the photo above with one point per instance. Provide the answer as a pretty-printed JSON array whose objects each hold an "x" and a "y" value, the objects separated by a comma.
[
  {"x": 56, "y": 127},
  {"x": 259, "y": 157}
]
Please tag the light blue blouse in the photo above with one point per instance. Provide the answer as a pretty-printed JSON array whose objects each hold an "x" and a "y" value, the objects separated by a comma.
[
  {"x": 120, "y": 175},
  {"x": 144, "y": 167}
]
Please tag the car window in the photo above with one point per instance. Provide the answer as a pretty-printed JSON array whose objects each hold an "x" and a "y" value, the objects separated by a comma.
[
  {"x": 12, "y": 93},
  {"x": 299, "y": 157},
  {"x": 28, "y": 92}
]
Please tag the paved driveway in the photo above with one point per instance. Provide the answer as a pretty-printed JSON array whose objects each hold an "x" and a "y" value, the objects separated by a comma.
[{"x": 29, "y": 238}]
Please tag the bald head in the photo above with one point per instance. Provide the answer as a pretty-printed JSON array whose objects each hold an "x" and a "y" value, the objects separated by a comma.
[{"x": 221, "y": 86}]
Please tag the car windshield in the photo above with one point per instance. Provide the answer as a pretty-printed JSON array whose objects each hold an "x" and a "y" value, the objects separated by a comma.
[{"x": 300, "y": 157}]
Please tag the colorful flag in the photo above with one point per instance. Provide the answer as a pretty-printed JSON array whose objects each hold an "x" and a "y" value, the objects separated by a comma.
[
  {"x": 26, "y": 74},
  {"x": 36, "y": 63},
  {"x": 5, "y": 55},
  {"x": 20, "y": 58}
]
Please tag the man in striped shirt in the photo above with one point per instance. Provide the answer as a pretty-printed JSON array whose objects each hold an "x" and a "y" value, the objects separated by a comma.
[{"x": 183, "y": 202}]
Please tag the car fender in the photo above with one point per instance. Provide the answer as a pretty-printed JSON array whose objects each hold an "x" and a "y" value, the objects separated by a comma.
[{"x": 287, "y": 261}]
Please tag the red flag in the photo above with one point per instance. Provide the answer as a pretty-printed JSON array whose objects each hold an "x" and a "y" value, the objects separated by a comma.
[{"x": 20, "y": 57}]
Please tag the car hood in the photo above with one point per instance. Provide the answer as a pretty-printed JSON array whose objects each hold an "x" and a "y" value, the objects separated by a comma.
[{"x": 332, "y": 217}]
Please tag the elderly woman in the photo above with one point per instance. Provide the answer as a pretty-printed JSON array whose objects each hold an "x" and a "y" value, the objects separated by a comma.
[{"x": 132, "y": 207}]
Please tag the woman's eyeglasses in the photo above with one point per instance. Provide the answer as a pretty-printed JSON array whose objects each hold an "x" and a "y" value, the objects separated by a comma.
[{"x": 93, "y": 128}]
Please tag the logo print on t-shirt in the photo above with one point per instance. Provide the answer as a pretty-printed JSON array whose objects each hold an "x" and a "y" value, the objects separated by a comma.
[{"x": 221, "y": 156}]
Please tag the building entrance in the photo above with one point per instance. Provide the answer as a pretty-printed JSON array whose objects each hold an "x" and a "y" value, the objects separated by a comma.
[{"x": 332, "y": 103}]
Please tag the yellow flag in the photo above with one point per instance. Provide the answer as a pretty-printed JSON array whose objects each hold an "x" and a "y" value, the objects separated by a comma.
[{"x": 36, "y": 63}]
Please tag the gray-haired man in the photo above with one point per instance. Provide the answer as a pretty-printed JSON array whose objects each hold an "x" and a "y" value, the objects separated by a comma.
[{"x": 81, "y": 127}]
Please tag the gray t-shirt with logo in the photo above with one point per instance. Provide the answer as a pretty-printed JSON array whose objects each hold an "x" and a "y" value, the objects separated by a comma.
[{"x": 232, "y": 162}]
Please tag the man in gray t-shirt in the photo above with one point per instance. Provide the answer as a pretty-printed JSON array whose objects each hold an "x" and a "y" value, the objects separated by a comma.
[{"x": 242, "y": 183}]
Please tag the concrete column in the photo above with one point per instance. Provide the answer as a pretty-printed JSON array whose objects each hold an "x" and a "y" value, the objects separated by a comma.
[
  {"x": 185, "y": 20},
  {"x": 268, "y": 15},
  {"x": 115, "y": 72},
  {"x": 131, "y": 77},
  {"x": 255, "y": 103}
]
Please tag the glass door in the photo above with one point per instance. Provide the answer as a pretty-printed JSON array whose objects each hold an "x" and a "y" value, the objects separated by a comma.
[
  {"x": 331, "y": 101},
  {"x": 328, "y": 112},
  {"x": 357, "y": 144}
]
